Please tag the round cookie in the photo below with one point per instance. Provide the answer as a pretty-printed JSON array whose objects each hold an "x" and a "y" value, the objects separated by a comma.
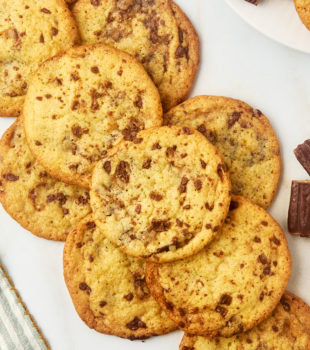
[
  {"x": 46, "y": 207},
  {"x": 156, "y": 32},
  {"x": 83, "y": 102},
  {"x": 232, "y": 284},
  {"x": 162, "y": 196},
  {"x": 288, "y": 327},
  {"x": 303, "y": 10},
  {"x": 245, "y": 139},
  {"x": 31, "y": 32},
  {"x": 108, "y": 288}
]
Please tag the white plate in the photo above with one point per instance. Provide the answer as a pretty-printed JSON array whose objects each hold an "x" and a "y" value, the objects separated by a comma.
[{"x": 277, "y": 19}]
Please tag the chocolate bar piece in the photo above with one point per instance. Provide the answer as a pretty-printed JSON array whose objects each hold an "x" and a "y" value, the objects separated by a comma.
[
  {"x": 254, "y": 2},
  {"x": 302, "y": 153},
  {"x": 299, "y": 210}
]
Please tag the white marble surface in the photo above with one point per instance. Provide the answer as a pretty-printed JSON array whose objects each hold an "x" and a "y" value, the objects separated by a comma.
[{"x": 236, "y": 61}]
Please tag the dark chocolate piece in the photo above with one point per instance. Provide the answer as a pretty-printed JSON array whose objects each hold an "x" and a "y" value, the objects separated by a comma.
[
  {"x": 299, "y": 210},
  {"x": 302, "y": 153}
]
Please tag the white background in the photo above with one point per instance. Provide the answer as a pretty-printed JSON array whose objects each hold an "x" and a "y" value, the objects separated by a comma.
[{"x": 236, "y": 61}]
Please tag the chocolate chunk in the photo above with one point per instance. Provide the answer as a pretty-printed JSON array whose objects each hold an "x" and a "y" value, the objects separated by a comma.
[
  {"x": 198, "y": 185},
  {"x": 38, "y": 143},
  {"x": 225, "y": 299},
  {"x": 84, "y": 287},
  {"x": 54, "y": 31},
  {"x": 45, "y": 10},
  {"x": 203, "y": 164},
  {"x": 170, "y": 151},
  {"x": 187, "y": 131},
  {"x": 156, "y": 146},
  {"x": 131, "y": 130},
  {"x": 302, "y": 153},
  {"x": 221, "y": 310},
  {"x": 129, "y": 297},
  {"x": 135, "y": 324},
  {"x": 160, "y": 225},
  {"x": 140, "y": 286},
  {"x": 102, "y": 303},
  {"x": 233, "y": 119},
  {"x": 233, "y": 205},
  {"x": 147, "y": 164},
  {"x": 95, "y": 70},
  {"x": 299, "y": 210},
  {"x": 90, "y": 224},
  {"x": 188, "y": 348},
  {"x": 95, "y": 2},
  {"x": 41, "y": 40},
  {"x": 10, "y": 177},
  {"x": 156, "y": 196},
  {"x": 262, "y": 259},
  {"x": 285, "y": 304},
  {"x": 139, "y": 102},
  {"x": 122, "y": 171},
  {"x": 78, "y": 131},
  {"x": 107, "y": 166},
  {"x": 221, "y": 169},
  {"x": 182, "y": 187}
]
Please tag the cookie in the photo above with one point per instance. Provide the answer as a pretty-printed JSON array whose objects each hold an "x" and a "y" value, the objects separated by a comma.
[
  {"x": 31, "y": 32},
  {"x": 156, "y": 32},
  {"x": 288, "y": 327},
  {"x": 46, "y": 207},
  {"x": 108, "y": 288},
  {"x": 245, "y": 139},
  {"x": 232, "y": 284},
  {"x": 303, "y": 10},
  {"x": 161, "y": 196},
  {"x": 83, "y": 102}
]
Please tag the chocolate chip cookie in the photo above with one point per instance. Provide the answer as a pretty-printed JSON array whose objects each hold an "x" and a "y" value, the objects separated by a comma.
[
  {"x": 245, "y": 139},
  {"x": 156, "y": 32},
  {"x": 46, "y": 207},
  {"x": 233, "y": 283},
  {"x": 31, "y": 32},
  {"x": 303, "y": 10},
  {"x": 163, "y": 195},
  {"x": 81, "y": 103},
  {"x": 288, "y": 327},
  {"x": 108, "y": 288}
]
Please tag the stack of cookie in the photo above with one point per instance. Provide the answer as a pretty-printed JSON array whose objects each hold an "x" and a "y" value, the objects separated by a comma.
[{"x": 163, "y": 215}]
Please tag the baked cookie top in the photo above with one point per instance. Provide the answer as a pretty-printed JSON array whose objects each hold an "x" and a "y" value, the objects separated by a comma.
[
  {"x": 83, "y": 102},
  {"x": 31, "y": 32},
  {"x": 245, "y": 139},
  {"x": 233, "y": 283},
  {"x": 108, "y": 288},
  {"x": 46, "y": 207},
  {"x": 303, "y": 10},
  {"x": 288, "y": 327},
  {"x": 162, "y": 196},
  {"x": 156, "y": 32}
]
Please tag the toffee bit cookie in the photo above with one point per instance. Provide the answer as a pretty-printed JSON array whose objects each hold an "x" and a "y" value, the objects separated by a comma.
[
  {"x": 31, "y": 32},
  {"x": 108, "y": 288},
  {"x": 232, "y": 284},
  {"x": 303, "y": 10},
  {"x": 78, "y": 106},
  {"x": 288, "y": 327},
  {"x": 156, "y": 32},
  {"x": 162, "y": 196},
  {"x": 46, "y": 207},
  {"x": 245, "y": 139}
]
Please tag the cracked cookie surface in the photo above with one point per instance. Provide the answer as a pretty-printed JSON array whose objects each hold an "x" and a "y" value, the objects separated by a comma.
[
  {"x": 245, "y": 139},
  {"x": 288, "y": 327},
  {"x": 233, "y": 283},
  {"x": 303, "y": 10},
  {"x": 156, "y": 32},
  {"x": 30, "y": 34},
  {"x": 78, "y": 106},
  {"x": 108, "y": 288},
  {"x": 163, "y": 195},
  {"x": 43, "y": 205}
]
